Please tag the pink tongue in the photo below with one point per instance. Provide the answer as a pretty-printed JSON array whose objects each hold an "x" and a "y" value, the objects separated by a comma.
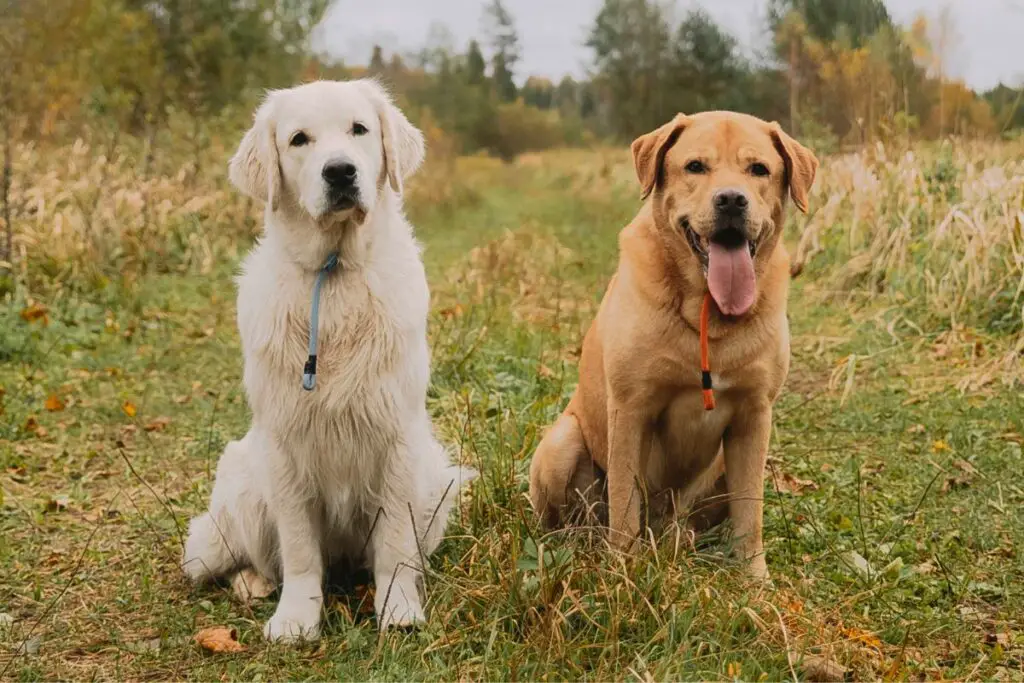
[{"x": 731, "y": 278}]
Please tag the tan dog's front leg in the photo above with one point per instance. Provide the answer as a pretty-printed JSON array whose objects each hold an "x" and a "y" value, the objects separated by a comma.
[
  {"x": 746, "y": 449},
  {"x": 627, "y": 438}
]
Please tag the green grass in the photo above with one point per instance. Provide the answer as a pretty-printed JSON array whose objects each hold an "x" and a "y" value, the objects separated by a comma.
[{"x": 893, "y": 535}]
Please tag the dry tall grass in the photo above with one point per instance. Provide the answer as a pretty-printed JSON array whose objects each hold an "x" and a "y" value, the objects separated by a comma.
[{"x": 937, "y": 228}]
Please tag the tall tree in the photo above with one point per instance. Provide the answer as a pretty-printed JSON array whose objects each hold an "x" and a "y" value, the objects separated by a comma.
[
  {"x": 377, "y": 60},
  {"x": 706, "y": 67},
  {"x": 504, "y": 42},
  {"x": 827, "y": 20},
  {"x": 632, "y": 57},
  {"x": 476, "y": 66}
]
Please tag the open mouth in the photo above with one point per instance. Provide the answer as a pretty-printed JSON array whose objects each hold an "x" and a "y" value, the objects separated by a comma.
[
  {"x": 727, "y": 259},
  {"x": 730, "y": 238}
]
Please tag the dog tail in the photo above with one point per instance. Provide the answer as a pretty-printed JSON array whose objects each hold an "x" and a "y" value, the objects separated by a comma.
[
  {"x": 443, "y": 496},
  {"x": 207, "y": 556}
]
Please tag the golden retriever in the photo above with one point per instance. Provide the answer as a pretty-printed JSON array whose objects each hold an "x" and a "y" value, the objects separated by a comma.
[{"x": 340, "y": 461}]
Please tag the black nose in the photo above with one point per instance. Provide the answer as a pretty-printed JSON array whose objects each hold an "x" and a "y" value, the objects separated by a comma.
[
  {"x": 731, "y": 202},
  {"x": 339, "y": 174}
]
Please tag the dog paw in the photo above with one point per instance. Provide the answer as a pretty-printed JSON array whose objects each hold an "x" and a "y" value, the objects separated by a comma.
[
  {"x": 290, "y": 625},
  {"x": 757, "y": 569},
  {"x": 400, "y": 610},
  {"x": 249, "y": 585}
]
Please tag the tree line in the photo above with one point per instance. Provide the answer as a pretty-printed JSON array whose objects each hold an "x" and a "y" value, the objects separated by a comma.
[{"x": 839, "y": 70}]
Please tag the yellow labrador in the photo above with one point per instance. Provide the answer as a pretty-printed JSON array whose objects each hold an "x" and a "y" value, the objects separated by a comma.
[{"x": 707, "y": 240}]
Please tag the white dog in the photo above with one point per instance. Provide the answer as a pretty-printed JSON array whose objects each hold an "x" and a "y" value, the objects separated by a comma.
[{"x": 340, "y": 460}]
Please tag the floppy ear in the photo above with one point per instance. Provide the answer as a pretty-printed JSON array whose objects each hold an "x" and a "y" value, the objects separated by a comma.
[
  {"x": 649, "y": 151},
  {"x": 801, "y": 165},
  {"x": 255, "y": 169},
  {"x": 404, "y": 148}
]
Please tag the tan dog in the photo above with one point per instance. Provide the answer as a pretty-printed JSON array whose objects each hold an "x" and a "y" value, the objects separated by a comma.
[{"x": 717, "y": 184}]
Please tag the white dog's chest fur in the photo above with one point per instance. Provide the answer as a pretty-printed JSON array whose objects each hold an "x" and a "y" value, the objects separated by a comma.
[{"x": 343, "y": 430}]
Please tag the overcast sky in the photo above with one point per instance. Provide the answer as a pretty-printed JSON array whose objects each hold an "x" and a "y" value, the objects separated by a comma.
[{"x": 990, "y": 45}]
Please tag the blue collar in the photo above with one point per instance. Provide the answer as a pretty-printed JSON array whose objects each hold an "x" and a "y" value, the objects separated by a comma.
[{"x": 309, "y": 371}]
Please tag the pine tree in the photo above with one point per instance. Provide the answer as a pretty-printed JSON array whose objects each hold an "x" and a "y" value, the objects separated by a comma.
[
  {"x": 377, "y": 60},
  {"x": 504, "y": 41},
  {"x": 476, "y": 67}
]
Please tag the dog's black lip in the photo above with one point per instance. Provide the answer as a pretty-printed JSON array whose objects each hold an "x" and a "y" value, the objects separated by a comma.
[
  {"x": 702, "y": 254},
  {"x": 343, "y": 202},
  {"x": 694, "y": 241}
]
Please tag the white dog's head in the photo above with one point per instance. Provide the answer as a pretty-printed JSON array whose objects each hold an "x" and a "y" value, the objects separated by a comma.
[{"x": 327, "y": 149}]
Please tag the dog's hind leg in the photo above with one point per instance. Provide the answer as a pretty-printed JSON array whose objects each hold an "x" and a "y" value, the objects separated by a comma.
[
  {"x": 230, "y": 535},
  {"x": 207, "y": 554},
  {"x": 443, "y": 483},
  {"x": 562, "y": 473}
]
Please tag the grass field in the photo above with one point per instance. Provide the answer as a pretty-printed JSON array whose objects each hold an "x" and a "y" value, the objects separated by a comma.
[{"x": 894, "y": 521}]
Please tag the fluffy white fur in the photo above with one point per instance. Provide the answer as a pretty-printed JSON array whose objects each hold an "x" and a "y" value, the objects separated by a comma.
[{"x": 351, "y": 469}]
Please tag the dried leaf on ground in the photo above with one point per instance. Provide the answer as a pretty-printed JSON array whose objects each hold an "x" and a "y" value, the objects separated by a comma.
[
  {"x": 818, "y": 668},
  {"x": 787, "y": 483},
  {"x": 158, "y": 425},
  {"x": 219, "y": 639},
  {"x": 35, "y": 313},
  {"x": 365, "y": 595},
  {"x": 864, "y": 637},
  {"x": 58, "y": 504},
  {"x": 53, "y": 403},
  {"x": 129, "y": 408}
]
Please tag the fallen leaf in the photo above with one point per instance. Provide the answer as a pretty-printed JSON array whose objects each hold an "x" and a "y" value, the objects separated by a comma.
[
  {"x": 955, "y": 483},
  {"x": 129, "y": 408},
  {"x": 916, "y": 429},
  {"x": 965, "y": 466},
  {"x": 158, "y": 425},
  {"x": 860, "y": 564},
  {"x": 787, "y": 483},
  {"x": 182, "y": 399},
  {"x": 545, "y": 371},
  {"x": 58, "y": 504},
  {"x": 451, "y": 312},
  {"x": 795, "y": 606},
  {"x": 30, "y": 646},
  {"x": 864, "y": 637},
  {"x": 818, "y": 668},
  {"x": 35, "y": 313},
  {"x": 219, "y": 639},
  {"x": 31, "y": 424},
  {"x": 365, "y": 595},
  {"x": 53, "y": 403},
  {"x": 1001, "y": 639}
]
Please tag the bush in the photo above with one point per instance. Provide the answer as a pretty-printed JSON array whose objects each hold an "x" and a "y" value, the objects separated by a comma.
[{"x": 522, "y": 128}]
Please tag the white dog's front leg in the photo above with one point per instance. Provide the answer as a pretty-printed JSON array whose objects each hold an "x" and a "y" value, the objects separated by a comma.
[
  {"x": 298, "y": 613},
  {"x": 397, "y": 568}
]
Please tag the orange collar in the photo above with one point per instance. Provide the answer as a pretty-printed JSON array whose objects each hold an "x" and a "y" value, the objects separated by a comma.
[{"x": 705, "y": 364}]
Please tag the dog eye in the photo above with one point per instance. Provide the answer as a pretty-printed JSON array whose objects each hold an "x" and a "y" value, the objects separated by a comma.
[
  {"x": 696, "y": 167},
  {"x": 299, "y": 139},
  {"x": 359, "y": 129},
  {"x": 759, "y": 169}
]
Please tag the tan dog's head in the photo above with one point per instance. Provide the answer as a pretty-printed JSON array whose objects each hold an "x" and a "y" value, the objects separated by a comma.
[
  {"x": 326, "y": 149},
  {"x": 719, "y": 180}
]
